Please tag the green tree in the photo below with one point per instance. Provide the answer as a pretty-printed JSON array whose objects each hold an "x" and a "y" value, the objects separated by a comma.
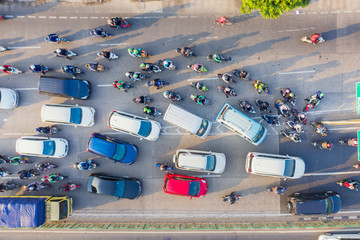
[{"x": 272, "y": 8}]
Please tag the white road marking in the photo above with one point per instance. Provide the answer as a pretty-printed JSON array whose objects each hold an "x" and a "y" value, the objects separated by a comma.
[
  {"x": 25, "y": 89},
  {"x": 24, "y": 47},
  {"x": 63, "y": 17},
  {"x": 344, "y": 128},
  {"x": 83, "y": 17},
  {"x": 17, "y": 134},
  {"x": 31, "y": 16},
  {"x": 112, "y": 44},
  {"x": 330, "y": 173},
  {"x": 73, "y": 17},
  {"x": 194, "y": 16},
  {"x": 20, "y": 16},
  {"x": 9, "y": 16},
  {"x": 348, "y": 11},
  {"x": 190, "y": 39},
  {"x": 346, "y": 212},
  {"x": 172, "y": 17},
  {"x": 183, "y": 16},
  {"x": 93, "y": 17},
  {"x": 52, "y": 17},
  {"x": 324, "y": 12},
  {"x": 312, "y": 12},
  {"x": 208, "y": 175},
  {"x": 42, "y": 16},
  {"x": 104, "y": 85},
  {"x": 352, "y": 217},
  {"x": 330, "y": 110},
  {"x": 310, "y": 71},
  {"x": 202, "y": 79},
  {"x": 9, "y": 177},
  {"x": 335, "y": 11}
]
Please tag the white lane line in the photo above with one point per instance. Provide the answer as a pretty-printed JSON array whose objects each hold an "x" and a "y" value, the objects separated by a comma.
[
  {"x": 207, "y": 176},
  {"x": 348, "y": 11},
  {"x": 324, "y": 12},
  {"x": 112, "y": 44},
  {"x": 331, "y": 173},
  {"x": 335, "y": 11},
  {"x": 346, "y": 212},
  {"x": 202, "y": 79},
  {"x": 310, "y": 71},
  {"x": 9, "y": 16},
  {"x": 17, "y": 134},
  {"x": 63, "y": 17},
  {"x": 344, "y": 128},
  {"x": 172, "y": 17},
  {"x": 83, "y": 17},
  {"x": 194, "y": 16},
  {"x": 20, "y": 16},
  {"x": 31, "y": 16},
  {"x": 9, "y": 178},
  {"x": 24, "y": 47},
  {"x": 73, "y": 17},
  {"x": 104, "y": 85},
  {"x": 25, "y": 89},
  {"x": 93, "y": 17},
  {"x": 352, "y": 217},
  {"x": 333, "y": 110},
  {"x": 42, "y": 16},
  {"x": 52, "y": 17}
]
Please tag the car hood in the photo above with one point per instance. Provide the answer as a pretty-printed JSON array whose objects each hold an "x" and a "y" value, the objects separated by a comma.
[
  {"x": 61, "y": 147},
  {"x": 220, "y": 162},
  {"x": 131, "y": 153},
  {"x": 88, "y": 115},
  {"x": 299, "y": 168},
  {"x": 9, "y": 98},
  {"x": 132, "y": 189},
  {"x": 83, "y": 89},
  {"x": 336, "y": 200},
  {"x": 155, "y": 131}
]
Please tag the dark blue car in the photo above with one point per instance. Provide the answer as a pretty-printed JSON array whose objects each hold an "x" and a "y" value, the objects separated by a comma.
[{"x": 112, "y": 148}]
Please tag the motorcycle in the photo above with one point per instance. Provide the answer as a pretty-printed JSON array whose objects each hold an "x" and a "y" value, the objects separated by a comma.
[
  {"x": 107, "y": 55},
  {"x": 47, "y": 130},
  {"x": 218, "y": 58},
  {"x": 201, "y": 100},
  {"x": 186, "y": 52},
  {"x": 172, "y": 96},
  {"x": 294, "y": 136},
  {"x": 350, "y": 142},
  {"x": 87, "y": 165},
  {"x": 283, "y": 109},
  {"x": 272, "y": 120},
  {"x": 246, "y": 106},
  {"x": 117, "y": 23},
  {"x": 357, "y": 166},
  {"x": 197, "y": 68},
  {"x": 278, "y": 190},
  {"x": 99, "y": 32},
  {"x": 301, "y": 117},
  {"x": 200, "y": 86},
  {"x": 25, "y": 174},
  {"x": 4, "y": 172},
  {"x": 261, "y": 87},
  {"x": 8, "y": 186},
  {"x": 319, "y": 128},
  {"x": 151, "y": 111},
  {"x": 39, "y": 69},
  {"x": 226, "y": 77},
  {"x": 288, "y": 95},
  {"x": 68, "y": 187},
  {"x": 223, "y": 21},
  {"x": 53, "y": 178},
  {"x": 350, "y": 184},
  {"x": 9, "y": 69},
  {"x": 3, "y": 49},
  {"x": 244, "y": 75},
  {"x": 295, "y": 126},
  {"x": 72, "y": 69},
  {"x": 264, "y": 106},
  {"x": 323, "y": 144},
  {"x": 18, "y": 160},
  {"x": 136, "y": 76},
  {"x": 307, "y": 39},
  {"x": 121, "y": 85},
  {"x": 149, "y": 67},
  {"x": 44, "y": 166},
  {"x": 95, "y": 67},
  {"x": 36, "y": 186},
  {"x": 167, "y": 64},
  {"x": 232, "y": 198},
  {"x": 156, "y": 83},
  {"x": 141, "y": 53},
  {"x": 53, "y": 38},
  {"x": 313, "y": 101},
  {"x": 228, "y": 91},
  {"x": 164, "y": 167},
  {"x": 142, "y": 99},
  {"x": 62, "y": 52}
]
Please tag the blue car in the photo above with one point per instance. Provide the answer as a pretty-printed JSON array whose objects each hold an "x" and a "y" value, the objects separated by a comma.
[{"x": 112, "y": 148}]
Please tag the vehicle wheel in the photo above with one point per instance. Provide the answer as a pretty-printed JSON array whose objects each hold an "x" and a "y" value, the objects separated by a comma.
[
  {"x": 328, "y": 234},
  {"x": 289, "y": 206}
]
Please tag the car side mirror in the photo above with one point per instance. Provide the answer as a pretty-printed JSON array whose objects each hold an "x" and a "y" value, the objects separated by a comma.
[
  {"x": 77, "y": 105},
  {"x": 285, "y": 179}
]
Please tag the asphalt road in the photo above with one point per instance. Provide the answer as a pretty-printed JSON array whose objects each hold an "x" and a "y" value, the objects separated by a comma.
[{"x": 270, "y": 50}]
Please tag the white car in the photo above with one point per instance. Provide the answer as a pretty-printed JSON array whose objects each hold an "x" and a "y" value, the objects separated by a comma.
[
  {"x": 134, "y": 125},
  {"x": 273, "y": 165},
  {"x": 68, "y": 115},
  {"x": 9, "y": 98},
  {"x": 42, "y": 146},
  {"x": 199, "y": 161}
]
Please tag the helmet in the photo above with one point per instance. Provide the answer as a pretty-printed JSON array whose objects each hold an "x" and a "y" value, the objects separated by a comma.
[
  {"x": 209, "y": 57},
  {"x": 320, "y": 95},
  {"x": 291, "y": 94},
  {"x": 178, "y": 50},
  {"x": 129, "y": 49},
  {"x": 31, "y": 188},
  {"x": 329, "y": 145},
  {"x": 166, "y": 93},
  {"x": 302, "y": 115},
  {"x": 143, "y": 65},
  {"x": 163, "y": 168},
  {"x": 128, "y": 74},
  {"x": 193, "y": 97}
]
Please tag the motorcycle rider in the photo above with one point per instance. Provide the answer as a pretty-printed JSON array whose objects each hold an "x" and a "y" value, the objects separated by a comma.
[
  {"x": 259, "y": 86},
  {"x": 106, "y": 54},
  {"x": 169, "y": 94},
  {"x": 136, "y": 51},
  {"x": 264, "y": 106},
  {"x": 288, "y": 94},
  {"x": 141, "y": 99},
  {"x": 315, "y": 38},
  {"x": 184, "y": 51},
  {"x": 24, "y": 174},
  {"x": 67, "y": 187},
  {"x": 200, "y": 86},
  {"x": 166, "y": 63},
  {"x": 54, "y": 38},
  {"x": 349, "y": 184},
  {"x": 6, "y": 68},
  {"x": 227, "y": 91},
  {"x": 16, "y": 160},
  {"x": 278, "y": 190},
  {"x": 62, "y": 52},
  {"x": 115, "y": 22},
  {"x": 93, "y": 65},
  {"x": 149, "y": 110},
  {"x": 351, "y": 142},
  {"x": 245, "y": 105},
  {"x": 45, "y": 130},
  {"x": 85, "y": 165},
  {"x": 272, "y": 120},
  {"x": 216, "y": 57},
  {"x": 38, "y": 68},
  {"x": 3, "y": 187},
  {"x": 294, "y": 136},
  {"x": 315, "y": 99},
  {"x": 282, "y": 108},
  {"x": 326, "y": 145},
  {"x": 199, "y": 99},
  {"x": 50, "y": 178},
  {"x": 133, "y": 75},
  {"x": 226, "y": 77},
  {"x": 120, "y": 85},
  {"x": 149, "y": 67},
  {"x": 223, "y": 20},
  {"x": 243, "y": 74}
]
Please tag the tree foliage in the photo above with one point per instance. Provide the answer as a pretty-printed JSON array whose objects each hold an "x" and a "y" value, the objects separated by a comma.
[{"x": 272, "y": 8}]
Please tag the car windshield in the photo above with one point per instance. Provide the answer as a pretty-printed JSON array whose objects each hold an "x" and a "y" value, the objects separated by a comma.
[
  {"x": 72, "y": 88},
  {"x": 194, "y": 188},
  {"x": 203, "y": 127},
  {"x": 75, "y": 115},
  {"x": 119, "y": 188},
  {"x": 210, "y": 163},
  {"x": 49, "y": 148},
  {"x": 145, "y": 128},
  {"x": 259, "y": 134},
  {"x": 329, "y": 205},
  {"x": 289, "y": 168},
  {"x": 120, "y": 152}
]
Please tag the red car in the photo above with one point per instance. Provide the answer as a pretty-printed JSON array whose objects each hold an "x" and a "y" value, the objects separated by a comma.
[{"x": 184, "y": 185}]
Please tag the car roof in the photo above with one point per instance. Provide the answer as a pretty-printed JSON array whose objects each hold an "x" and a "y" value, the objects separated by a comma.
[
  {"x": 60, "y": 113},
  {"x": 267, "y": 165},
  {"x": 177, "y": 186},
  {"x": 192, "y": 161},
  {"x": 127, "y": 123},
  {"x": 317, "y": 206},
  {"x": 101, "y": 146},
  {"x": 31, "y": 145}
]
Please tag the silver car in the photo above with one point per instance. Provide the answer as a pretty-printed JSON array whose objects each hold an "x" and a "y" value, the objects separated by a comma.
[
  {"x": 273, "y": 165},
  {"x": 9, "y": 98},
  {"x": 199, "y": 161}
]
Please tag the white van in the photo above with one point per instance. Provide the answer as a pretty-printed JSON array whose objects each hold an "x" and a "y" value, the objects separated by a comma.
[
  {"x": 188, "y": 121},
  {"x": 241, "y": 124},
  {"x": 339, "y": 236}
]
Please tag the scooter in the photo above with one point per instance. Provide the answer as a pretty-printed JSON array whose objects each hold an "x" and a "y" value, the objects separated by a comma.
[
  {"x": 126, "y": 85},
  {"x": 201, "y": 100},
  {"x": 164, "y": 167},
  {"x": 272, "y": 120},
  {"x": 53, "y": 178},
  {"x": 62, "y": 52},
  {"x": 47, "y": 130},
  {"x": 231, "y": 198},
  {"x": 295, "y": 126},
  {"x": 197, "y": 68},
  {"x": 142, "y": 99},
  {"x": 319, "y": 128},
  {"x": 149, "y": 67},
  {"x": 45, "y": 166},
  {"x": 228, "y": 91},
  {"x": 25, "y": 174},
  {"x": 226, "y": 77},
  {"x": 3, "y": 49},
  {"x": 278, "y": 190},
  {"x": 99, "y": 32},
  {"x": 141, "y": 54},
  {"x": 323, "y": 144},
  {"x": 9, "y": 69},
  {"x": 17, "y": 160},
  {"x": 307, "y": 39},
  {"x": 36, "y": 186},
  {"x": 151, "y": 111},
  {"x": 68, "y": 187},
  {"x": 87, "y": 165},
  {"x": 283, "y": 109},
  {"x": 136, "y": 76},
  {"x": 246, "y": 106},
  {"x": 288, "y": 95},
  {"x": 110, "y": 56},
  {"x": 8, "y": 186},
  {"x": 39, "y": 69},
  {"x": 350, "y": 142},
  {"x": 261, "y": 87},
  {"x": 222, "y": 58},
  {"x": 264, "y": 106},
  {"x": 172, "y": 96},
  {"x": 350, "y": 184},
  {"x": 4, "y": 173},
  {"x": 294, "y": 136},
  {"x": 167, "y": 64},
  {"x": 95, "y": 67},
  {"x": 200, "y": 86},
  {"x": 156, "y": 83},
  {"x": 244, "y": 75}
]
